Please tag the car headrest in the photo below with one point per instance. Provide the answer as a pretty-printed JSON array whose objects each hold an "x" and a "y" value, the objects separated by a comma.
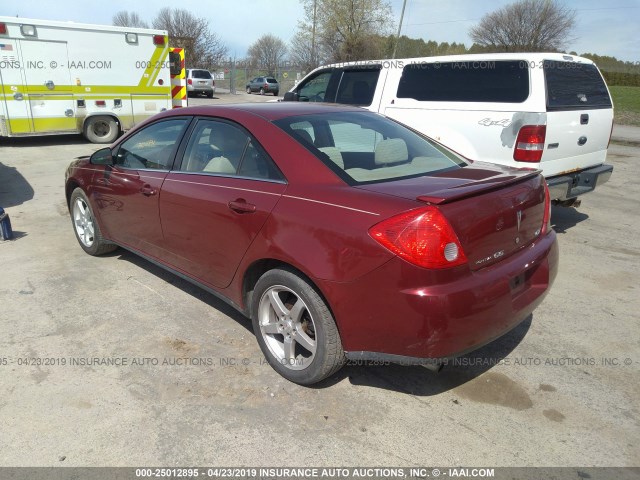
[{"x": 393, "y": 150}]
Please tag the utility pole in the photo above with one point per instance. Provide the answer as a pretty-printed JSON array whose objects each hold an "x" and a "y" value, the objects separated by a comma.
[
  {"x": 313, "y": 36},
  {"x": 395, "y": 48}
]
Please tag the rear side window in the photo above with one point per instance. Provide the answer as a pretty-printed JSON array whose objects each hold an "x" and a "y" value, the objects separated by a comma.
[
  {"x": 572, "y": 86},
  {"x": 201, "y": 74},
  {"x": 358, "y": 86},
  {"x": 477, "y": 81}
]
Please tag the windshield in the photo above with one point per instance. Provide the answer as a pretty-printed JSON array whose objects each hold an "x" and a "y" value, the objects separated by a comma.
[{"x": 363, "y": 147}]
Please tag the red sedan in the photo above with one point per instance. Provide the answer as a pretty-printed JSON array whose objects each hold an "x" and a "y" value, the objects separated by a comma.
[{"x": 341, "y": 233}]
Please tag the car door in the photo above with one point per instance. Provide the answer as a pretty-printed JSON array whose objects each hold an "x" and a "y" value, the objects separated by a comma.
[
  {"x": 216, "y": 201},
  {"x": 127, "y": 192}
]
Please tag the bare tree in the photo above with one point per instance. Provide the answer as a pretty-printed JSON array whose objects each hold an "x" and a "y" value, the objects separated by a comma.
[
  {"x": 203, "y": 48},
  {"x": 266, "y": 53},
  {"x": 346, "y": 30},
  {"x": 301, "y": 51},
  {"x": 525, "y": 26},
  {"x": 129, "y": 19}
]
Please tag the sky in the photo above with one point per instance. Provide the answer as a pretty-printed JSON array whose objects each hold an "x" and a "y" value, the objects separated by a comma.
[{"x": 606, "y": 28}]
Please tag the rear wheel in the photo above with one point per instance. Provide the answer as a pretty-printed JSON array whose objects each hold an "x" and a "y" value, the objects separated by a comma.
[
  {"x": 101, "y": 129},
  {"x": 85, "y": 226},
  {"x": 295, "y": 329}
]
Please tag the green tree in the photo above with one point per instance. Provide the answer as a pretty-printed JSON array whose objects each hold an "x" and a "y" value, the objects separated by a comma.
[{"x": 345, "y": 30}]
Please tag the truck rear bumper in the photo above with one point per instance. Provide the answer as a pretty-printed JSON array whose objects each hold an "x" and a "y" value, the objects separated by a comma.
[{"x": 564, "y": 187}]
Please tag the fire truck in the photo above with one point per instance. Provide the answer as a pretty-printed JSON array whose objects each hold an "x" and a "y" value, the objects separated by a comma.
[{"x": 98, "y": 80}]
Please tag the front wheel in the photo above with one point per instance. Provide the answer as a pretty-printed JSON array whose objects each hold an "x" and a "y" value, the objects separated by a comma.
[
  {"x": 295, "y": 329},
  {"x": 262, "y": 91},
  {"x": 86, "y": 227},
  {"x": 101, "y": 129},
  {"x": 249, "y": 90}
]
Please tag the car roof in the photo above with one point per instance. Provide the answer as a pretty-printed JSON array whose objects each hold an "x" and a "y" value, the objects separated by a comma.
[{"x": 269, "y": 111}]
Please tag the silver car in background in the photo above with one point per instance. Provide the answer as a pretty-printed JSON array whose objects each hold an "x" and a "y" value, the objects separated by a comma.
[{"x": 200, "y": 82}]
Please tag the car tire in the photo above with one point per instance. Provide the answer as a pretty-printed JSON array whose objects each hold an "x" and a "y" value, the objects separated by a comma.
[
  {"x": 275, "y": 94},
  {"x": 85, "y": 225},
  {"x": 299, "y": 340},
  {"x": 101, "y": 129},
  {"x": 262, "y": 91},
  {"x": 249, "y": 90},
  {"x": 210, "y": 94}
]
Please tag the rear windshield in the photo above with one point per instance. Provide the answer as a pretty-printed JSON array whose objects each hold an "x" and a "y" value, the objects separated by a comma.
[
  {"x": 476, "y": 81},
  {"x": 201, "y": 74},
  {"x": 363, "y": 147},
  {"x": 271, "y": 80},
  {"x": 574, "y": 86}
]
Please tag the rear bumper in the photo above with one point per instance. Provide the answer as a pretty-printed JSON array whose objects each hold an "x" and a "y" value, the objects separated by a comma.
[
  {"x": 564, "y": 187},
  {"x": 405, "y": 314},
  {"x": 199, "y": 89}
]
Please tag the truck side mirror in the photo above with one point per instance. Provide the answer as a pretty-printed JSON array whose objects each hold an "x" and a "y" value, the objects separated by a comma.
[{"x": 290, "y": 97}]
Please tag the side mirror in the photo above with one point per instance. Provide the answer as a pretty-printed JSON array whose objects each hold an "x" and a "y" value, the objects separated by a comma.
[
  {"x": 290, "y": 97},
  {"x": 102, "y": 157}
]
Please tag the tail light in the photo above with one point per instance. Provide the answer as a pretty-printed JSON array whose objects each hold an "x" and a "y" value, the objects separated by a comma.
[
  {"x": 189, "y": 81},
  {"x": 530, "y": 143},
  {"x": 546, "y": 219},
  {"x": 3, "y": 28},
  {"x": 423, "y": 237}
]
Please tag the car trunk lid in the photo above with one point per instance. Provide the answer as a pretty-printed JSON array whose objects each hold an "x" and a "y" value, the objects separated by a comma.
[{"x": 494, "y": 212}]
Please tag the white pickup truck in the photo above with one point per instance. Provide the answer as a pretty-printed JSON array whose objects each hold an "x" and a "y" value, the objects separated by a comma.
[{"x": 541, "y": 110}]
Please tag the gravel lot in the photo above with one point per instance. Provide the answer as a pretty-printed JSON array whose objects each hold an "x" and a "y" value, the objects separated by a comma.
[{"x": 191, "y": 387}]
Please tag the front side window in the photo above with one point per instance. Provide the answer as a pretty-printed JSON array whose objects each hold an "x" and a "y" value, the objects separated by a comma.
[
  {"x": 363, "y": 147},
  {"x": 153, "y": 147},
  {"x": 315, "y": 89},
  {"x": 474, "y": 81},
  {"x": 220, "y": 148}
]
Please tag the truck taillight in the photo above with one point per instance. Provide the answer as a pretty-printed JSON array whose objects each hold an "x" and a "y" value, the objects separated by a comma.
[
  {"x": 189, "y": 81},
  {"x": 423, "y": 237},
  {"x": 530, "y": 143},
  {"x": 158, "y": 39},
  {"x": 3, "y": 28}
]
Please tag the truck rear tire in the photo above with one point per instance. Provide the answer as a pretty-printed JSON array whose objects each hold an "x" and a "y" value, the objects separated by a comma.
[{"x": 101, "y": 129}]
